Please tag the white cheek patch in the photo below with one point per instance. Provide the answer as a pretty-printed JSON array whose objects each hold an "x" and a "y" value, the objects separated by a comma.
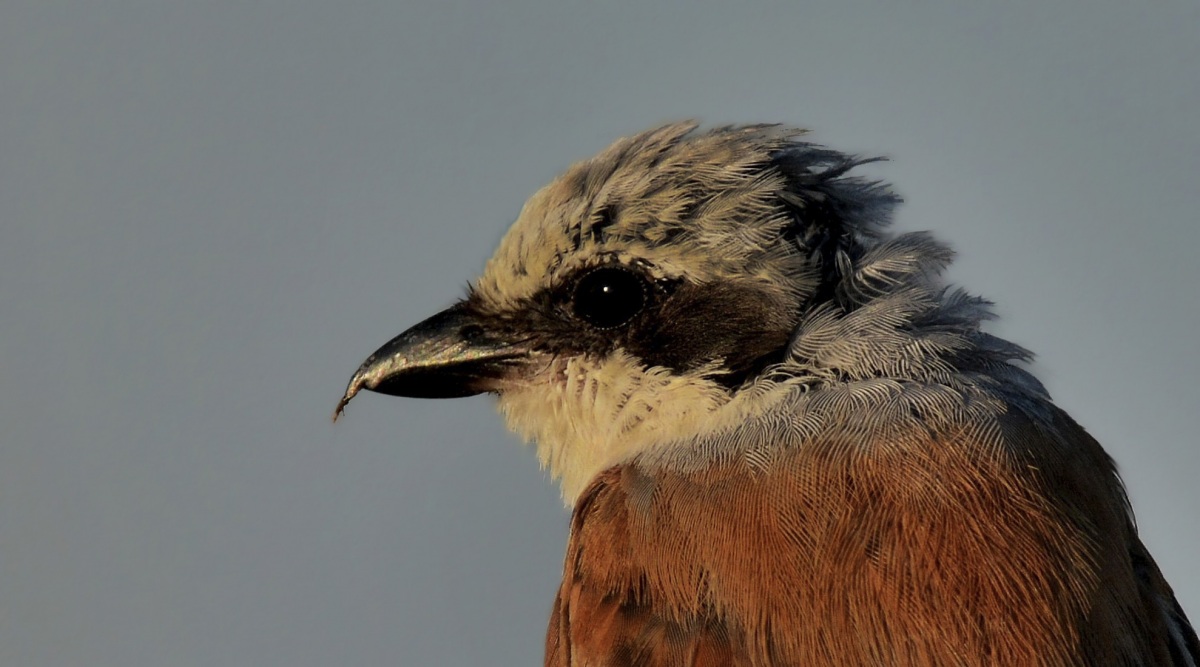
[{"x": 587, "y": 415}]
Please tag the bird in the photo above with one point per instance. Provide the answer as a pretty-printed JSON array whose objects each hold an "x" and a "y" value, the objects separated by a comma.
[{"x": 785, "y": 439}]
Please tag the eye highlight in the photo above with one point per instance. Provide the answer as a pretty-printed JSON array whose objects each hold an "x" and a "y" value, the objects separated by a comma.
[{"x": 609, "y": 296}]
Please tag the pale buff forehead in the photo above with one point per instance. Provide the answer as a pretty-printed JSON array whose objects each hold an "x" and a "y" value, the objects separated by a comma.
[{"x": 700, "y": 206}]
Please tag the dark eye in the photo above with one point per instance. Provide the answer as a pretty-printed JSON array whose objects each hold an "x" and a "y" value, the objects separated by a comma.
[{"x": 609, "y": 297}]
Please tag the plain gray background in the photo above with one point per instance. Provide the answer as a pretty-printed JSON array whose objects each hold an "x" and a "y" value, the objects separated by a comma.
[{"x": 211, "y": 212}]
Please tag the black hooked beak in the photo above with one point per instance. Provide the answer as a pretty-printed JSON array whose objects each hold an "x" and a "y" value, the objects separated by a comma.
[{"x": 449, "y": 355}]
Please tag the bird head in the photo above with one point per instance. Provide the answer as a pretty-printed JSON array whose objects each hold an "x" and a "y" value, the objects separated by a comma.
[{"x": 679, "y": 282}]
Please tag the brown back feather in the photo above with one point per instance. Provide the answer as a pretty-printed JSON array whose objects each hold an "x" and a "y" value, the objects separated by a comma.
[{"x": 1001, "y": 544}]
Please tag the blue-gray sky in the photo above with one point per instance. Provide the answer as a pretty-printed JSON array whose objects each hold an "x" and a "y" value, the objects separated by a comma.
[{"x": 210, "y": 212}]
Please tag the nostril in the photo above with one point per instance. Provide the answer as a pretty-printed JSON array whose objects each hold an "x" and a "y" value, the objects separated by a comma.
[{"x": 471, "y": 332}]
